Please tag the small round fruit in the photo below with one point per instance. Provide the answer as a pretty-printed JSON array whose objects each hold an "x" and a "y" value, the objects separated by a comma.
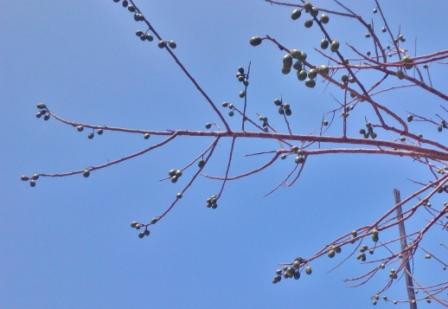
[
  {"x": 41, "y": 106},
  {"x": 324, "y": 70},
  {"x": 308, "y": 23},
  {"x": 287, "y": 61},
  {"x": 296, "y": 14},
  {"x": 255, "y": 41},
  {"x": 310, "y": 83},
  {"x": 308, "y": 7},
  {"x": 308, "y": 270},
  {"x": 172, "y": 44},
  {"x": 86, "y": 173},
  {"x": 312, "y": 73},
  {"x": 302, "y": 75},
  {"x": 314, "y": 11},
  {"x": 334, "y": 46},
  {"x": 324, "y": 44},
  {"x": 324, "y": 18}
]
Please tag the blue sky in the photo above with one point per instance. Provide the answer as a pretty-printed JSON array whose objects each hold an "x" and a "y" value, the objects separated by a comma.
[{"x": 67, "y": 243}]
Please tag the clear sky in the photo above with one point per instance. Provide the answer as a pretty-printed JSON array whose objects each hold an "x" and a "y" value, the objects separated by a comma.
[{"x": 67, "y": 243}]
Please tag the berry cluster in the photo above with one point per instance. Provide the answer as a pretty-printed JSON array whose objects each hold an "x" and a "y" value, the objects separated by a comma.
[
  {"x": 42, "y": 111},
  {"x": 292, "y": 270},
  {"x": 174, "y": 174}
]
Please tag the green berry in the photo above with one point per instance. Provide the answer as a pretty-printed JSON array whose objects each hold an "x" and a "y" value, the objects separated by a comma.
[
  {"x": 308, "y": 23},
  {"x": 314, "y": 11},
  {"x": 308, "y": 270},
  {"x": 41, "y": 106},
  {"x": 324, "y": 70},
  {"x": 308, "y": 7},
  {"x": 172, "y": 44},
  {"x": 255, "y": 41},
  {"x": 287, "y": 61},
  {"x": 324, "y": 19},
  {"x": 312, "y": 73},
  {"x": 324, "y": 44},
  {"x": 334, "y": 46},
  {"x": 310, "y": 83},
  {"x": 302, "y": 75},
  {"x": 296, "y": 14}
]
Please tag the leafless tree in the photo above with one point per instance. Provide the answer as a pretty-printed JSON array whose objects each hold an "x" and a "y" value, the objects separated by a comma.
[{"x": 390, "y": 68}]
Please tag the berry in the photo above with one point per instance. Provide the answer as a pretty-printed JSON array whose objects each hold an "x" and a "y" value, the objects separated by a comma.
[
  {"x": 296, "y": 14},
  {"x": 172, "y": 44},
  {"x": 255, "y": 41},
  {"x": 308, "y": 23},
  {"x": 310, "y": 83},
  {"x": 324, "y": 19},
  {"x": 334, "y": 46},
  {"x": 302, "y": 75},
  {"x": 86, "y": 173},
  {"x": 312, "y": 73},
  {"x": 324, "y": 44},
  {"x": 41, "y": 106}
]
